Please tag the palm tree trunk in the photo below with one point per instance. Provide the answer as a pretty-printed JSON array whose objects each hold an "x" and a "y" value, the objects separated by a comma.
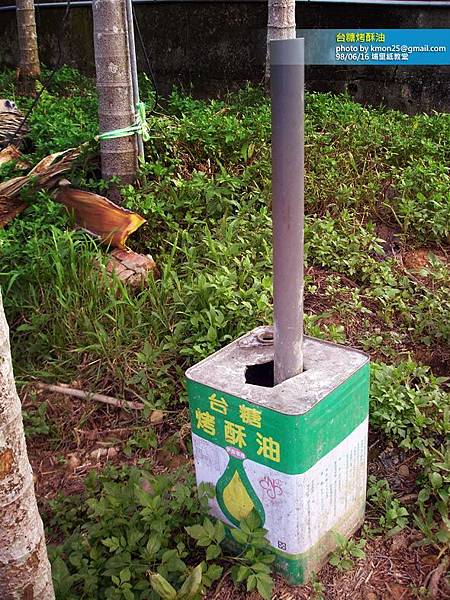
[
  {"x": 29, "y": 69},
  {"x": 280, "y": 25},
  {"x": 24, "y": 568},
  {"x": 114, "y": 86}
]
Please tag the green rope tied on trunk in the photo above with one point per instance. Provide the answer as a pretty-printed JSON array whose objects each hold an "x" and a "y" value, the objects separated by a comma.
[{"x": 140, "y": 127}]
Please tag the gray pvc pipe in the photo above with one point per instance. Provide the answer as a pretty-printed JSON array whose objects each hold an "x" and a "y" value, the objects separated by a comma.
[{"x": 287, "y": 88}]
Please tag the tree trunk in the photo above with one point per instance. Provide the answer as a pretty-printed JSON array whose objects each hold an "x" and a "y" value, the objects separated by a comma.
[
  {"x": 115, "y": 91},
  {"x": 29, "y": 69},
  {"x": 24, "y": 568},
  {"x": 280, "y": 25}
]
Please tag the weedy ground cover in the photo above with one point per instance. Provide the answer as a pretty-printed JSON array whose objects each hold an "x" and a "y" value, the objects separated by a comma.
[{"x": 376, "y": 240}]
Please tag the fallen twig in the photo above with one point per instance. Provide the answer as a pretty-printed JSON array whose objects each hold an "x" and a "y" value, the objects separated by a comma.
[
  {"x": 436, "y": 574},
  {"x": 220, "y": 584},
  {"x": 407, "y": 498},
  {"x": 63, "y": 388}
]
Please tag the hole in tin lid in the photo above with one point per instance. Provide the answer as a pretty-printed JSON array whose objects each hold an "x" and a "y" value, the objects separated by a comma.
[
  {"x": 265, "y": 337},
  {"x": 261, "y": 374}
]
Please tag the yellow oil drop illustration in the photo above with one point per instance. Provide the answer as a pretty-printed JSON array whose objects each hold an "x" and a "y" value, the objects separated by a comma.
[{"x": 236, "y": 498}]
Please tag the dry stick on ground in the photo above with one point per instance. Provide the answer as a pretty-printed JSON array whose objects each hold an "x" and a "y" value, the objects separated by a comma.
[
  {"x": 435, "y": 577},
  {"x": 62, "y": 388}
]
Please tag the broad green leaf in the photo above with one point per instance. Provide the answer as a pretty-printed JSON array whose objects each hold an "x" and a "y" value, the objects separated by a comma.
[
  {"x": 153, "y": 544},
  {"x": 192, "y": 584},
  {"x": 162, "y": 587},
  {"x": 264, "y": 586},
  {"x": 214, "y": 572},
  {"x": 239, "y": 536},
  {"x": 196, "y": 531},
  {"x": 436, "y": 480},
  {"x": 219, "y": 531},
  {"x": 213, "y": 552},
  {"x": 358, "y": 553},
  {"x": 242, "y": 573},
  {"x": 251, "y": 582}
]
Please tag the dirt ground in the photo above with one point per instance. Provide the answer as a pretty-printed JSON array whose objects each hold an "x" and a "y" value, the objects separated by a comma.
[
  {"x": 88, "y": 435},
  {"x": 93, "y": 435},
  {"x": 393, "y": 569}
]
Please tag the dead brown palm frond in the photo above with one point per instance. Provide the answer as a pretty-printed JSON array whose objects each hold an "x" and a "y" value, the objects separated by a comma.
[
  {"x": 11, "y": 153},
  {"x": 10, "y": 208},
  {"x": 98, "y": 215},
  {"x": 92, "y": 212},
  {"x": 45, "y": 175}
]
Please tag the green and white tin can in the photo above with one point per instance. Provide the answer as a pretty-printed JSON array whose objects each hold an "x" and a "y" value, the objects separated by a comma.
[{"x": 296, "y": 453}]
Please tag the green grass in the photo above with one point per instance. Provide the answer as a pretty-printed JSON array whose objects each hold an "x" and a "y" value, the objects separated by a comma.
[
  {"x": 205, "y": 192},
  {"x": 206, "y": 195}
]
